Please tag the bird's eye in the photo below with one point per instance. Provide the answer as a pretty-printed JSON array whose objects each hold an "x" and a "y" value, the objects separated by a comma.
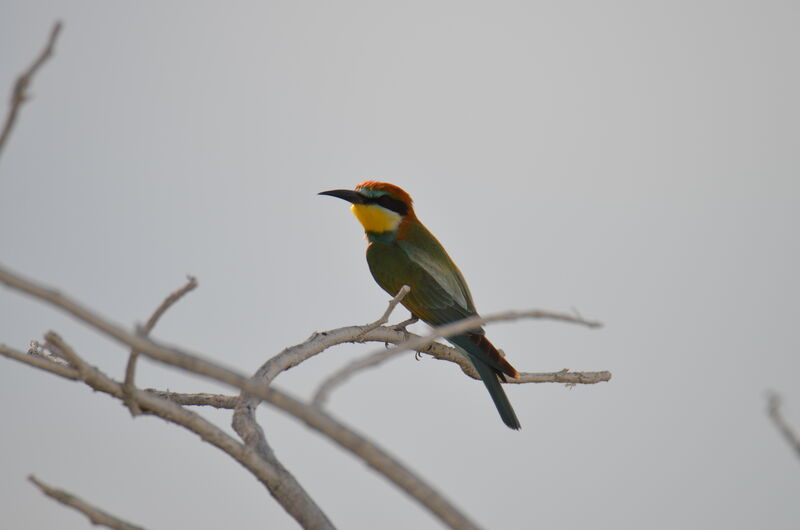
[{"x": 390, "y": 203}]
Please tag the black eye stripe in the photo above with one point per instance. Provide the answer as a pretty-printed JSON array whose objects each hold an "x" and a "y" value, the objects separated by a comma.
[{"x": 390, "y": 203}]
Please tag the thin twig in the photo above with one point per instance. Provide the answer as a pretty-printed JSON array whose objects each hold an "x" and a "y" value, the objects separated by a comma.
[
  {"x": 19, "y": 94},
  {"x": 43, "y": 350},
  {"x": 774, "y": 411},
  {"x": 130, "y": 369},
  {"x": 404, "y": 290},
  {"x": 40, "y": 361},
  {"x": 55, "y": 343},
  {"x": 340, "y": 376},
  {"x": 401, "y": 326},
  {"x": 95, "y": 515}
]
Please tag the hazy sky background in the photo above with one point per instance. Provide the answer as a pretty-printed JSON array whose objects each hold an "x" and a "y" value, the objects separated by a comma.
[{"x": 637, "y": 161}]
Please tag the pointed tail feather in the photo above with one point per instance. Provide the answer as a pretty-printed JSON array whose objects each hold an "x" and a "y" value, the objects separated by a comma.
[
  {"x": 499, "y": 397},
  {"x": 471, "y": 346}
]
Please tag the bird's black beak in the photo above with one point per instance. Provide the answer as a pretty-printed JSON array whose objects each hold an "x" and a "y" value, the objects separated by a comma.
[{"x": 348, "y": 195}]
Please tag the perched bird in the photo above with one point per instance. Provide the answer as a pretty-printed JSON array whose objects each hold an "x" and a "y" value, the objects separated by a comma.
[{"x": 402, "y": 251}]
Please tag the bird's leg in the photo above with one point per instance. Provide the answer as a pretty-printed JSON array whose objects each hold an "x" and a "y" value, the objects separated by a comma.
[{"x": 402, "y": 327}]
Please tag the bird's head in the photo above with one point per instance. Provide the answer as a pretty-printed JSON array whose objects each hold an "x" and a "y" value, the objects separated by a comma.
[{"x": 380, "y": 207}]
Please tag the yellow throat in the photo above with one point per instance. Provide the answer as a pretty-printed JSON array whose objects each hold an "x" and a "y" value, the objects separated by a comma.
[{"x": 376, "y": 218}]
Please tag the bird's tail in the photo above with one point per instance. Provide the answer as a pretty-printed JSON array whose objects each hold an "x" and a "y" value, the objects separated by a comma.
[{"x": 471, "y": 344}]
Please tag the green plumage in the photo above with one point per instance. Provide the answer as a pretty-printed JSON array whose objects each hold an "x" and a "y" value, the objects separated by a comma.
[
  {"x": 439, "y": 295},
  {"x": 401, "y": 252}
]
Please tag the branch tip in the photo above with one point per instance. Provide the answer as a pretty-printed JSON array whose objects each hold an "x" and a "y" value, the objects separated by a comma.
[
  {"x": 95, "y": 515},
  {"x": 19, "y": 93},
  {"x": 791, "y": 436},
  {"x": 144, "y": 331}
]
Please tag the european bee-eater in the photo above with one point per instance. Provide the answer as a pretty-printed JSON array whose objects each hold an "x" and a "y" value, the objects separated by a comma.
[{"x": 401, "y": 251}]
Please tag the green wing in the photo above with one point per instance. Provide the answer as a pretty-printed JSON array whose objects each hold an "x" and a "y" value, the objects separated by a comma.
[
  {"x": 431, "y": 255},
  {"x": 433, "y": 298},
  {"x": 439, "y": 295}
]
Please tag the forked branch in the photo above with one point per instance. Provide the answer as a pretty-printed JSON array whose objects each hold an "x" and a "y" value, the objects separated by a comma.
[
  {"x": 294, "y": 500},
  {"x": 130, "y": 369}
]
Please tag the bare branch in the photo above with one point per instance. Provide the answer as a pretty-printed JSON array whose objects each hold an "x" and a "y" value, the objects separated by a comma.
[
  {"x": 774, "y": 411},
  {"x": 19, "y": 94},
  {"x": 406, "y": 341},
  {"x": 340, "y": 376},
  {"x": 245, "y": 424},
  {"x": 376, "y": 457},
  {"x": 164, "y": 354},
  {"x": 40, "y": 361},
  {"x": 295, "y": 501},
  {"x": 289, "y": 357},
  {"x": 563, "y": 376},
  {"x": 257, "y": 387},
  {"x": 319, "y": 342},
  {"x": 54, "y": 342},
  {"x": 244, "y": 418},
  {"x": 130, "y": 369},
  {"x": 218, "y": 401},
  {"x": 404, "y": 290},
  {"x": 380, "y": 461},
  {"x": 169, "y": 301},
  {"x": 416, "y": 343},
  {"x": 298, "y": 503},
  {"x": 373, "y": 455},
  {"x": 402, "y": 326},
  {"x": 95, "y": 515},
  {"x": 42, "y": 349},
  {"x": 467, "y": 324}
]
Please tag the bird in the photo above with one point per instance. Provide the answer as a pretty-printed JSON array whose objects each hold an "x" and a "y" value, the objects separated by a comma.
[{"x": 401, "y": 251}]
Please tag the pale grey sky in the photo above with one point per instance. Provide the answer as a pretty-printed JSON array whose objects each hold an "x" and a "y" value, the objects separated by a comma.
[{"x": 637, "y": 161}]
